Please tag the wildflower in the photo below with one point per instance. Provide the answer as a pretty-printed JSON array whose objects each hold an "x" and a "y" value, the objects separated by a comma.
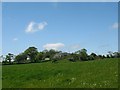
[
  {"x": 83, "y": 83},
  {"x": 94, "y": 84},
  {"x": 73, "y": 79}
]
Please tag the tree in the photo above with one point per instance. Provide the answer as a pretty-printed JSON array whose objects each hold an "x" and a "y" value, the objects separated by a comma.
[
  {"x": 75, "y": 56},
  {"x": 57, "y": 56},
  {"x": 103, "y": 56},
  {"x": 82, "y": 54},
  {"x": 100, "y": 56},
  {"x": 21, "y": 58},
  {"x": 9, "y": 57},
  {"x": 31, "y": 52},
  {"x": 110, "y": 54},
  {"x": 39, "y": 57},
  {"x": 116, "y": 54},
  {"x": 45, "y": 54},
  {"x": 92, "y": 56},
  {"x": 4, "y": 60},
  {"x": 45, "y": 51},
  {"x": 78, "y": 52},
  {"x": 51, "y": 53}
]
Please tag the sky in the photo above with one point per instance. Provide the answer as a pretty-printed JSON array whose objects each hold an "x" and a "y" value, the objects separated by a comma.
[
  {"x": 0, "y": 28},
  {"x": 61, "y": 26},
  {"x": 60, "y": 0}
]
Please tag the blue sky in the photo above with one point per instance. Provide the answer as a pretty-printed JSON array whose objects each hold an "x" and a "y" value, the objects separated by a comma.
[
  {"x": 60, "y": 0},
  {"x": 61, "y": 26},
  {"x": 0, "y": 28}
]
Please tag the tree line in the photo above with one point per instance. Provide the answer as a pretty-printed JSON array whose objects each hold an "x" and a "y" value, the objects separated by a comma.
[{"x": 31, "y": 55}]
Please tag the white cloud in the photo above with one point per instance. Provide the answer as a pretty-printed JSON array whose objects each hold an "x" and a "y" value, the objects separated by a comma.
[
  {"x": 54, "y": 46},
  {"x": 15, "y": 39},
  {"x": 76, "y": 46},
  {"x": 42, "y": 25},
  {"x": 30, "y": 27},
  {"x": 115, "y": 26},
  {"x": 34, "y": 27},
  {"x": 73, "y": 47}
]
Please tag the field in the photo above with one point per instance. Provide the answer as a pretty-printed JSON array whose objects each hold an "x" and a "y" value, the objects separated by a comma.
[
  {"x": 0, "y": 76},
  {"x": 64, "y": 74}
]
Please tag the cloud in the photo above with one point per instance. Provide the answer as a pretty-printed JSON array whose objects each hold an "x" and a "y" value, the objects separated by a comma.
[
  {"x": 54, "y": 46},
  {"x": 42, "y": 25},
  {"x": 15, "y": 39},
  {"x": 73, "y": 47},
  {"x": 76, "y": 46},
  {"x": 34, "y": 27},
  {"x": 115, "y": 26}
]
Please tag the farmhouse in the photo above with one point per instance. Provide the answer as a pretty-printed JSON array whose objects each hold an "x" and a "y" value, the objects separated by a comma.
[{"x": 45, "y": 60}]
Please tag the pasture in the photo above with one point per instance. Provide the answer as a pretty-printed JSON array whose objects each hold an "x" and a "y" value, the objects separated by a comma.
[{"x": 64, "y": 74}]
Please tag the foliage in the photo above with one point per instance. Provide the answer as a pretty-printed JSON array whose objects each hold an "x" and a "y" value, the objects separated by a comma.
[
  {"x": 34, "y": 56},
  {"x": 39, "y": 57},
  {"x": 21, "y": 58},
  {"x": 8, "y": 58},
  {"x": 31, "y": 52},
  {"x": 83, "y": 54},
  {"x": 116, "y": 54}
]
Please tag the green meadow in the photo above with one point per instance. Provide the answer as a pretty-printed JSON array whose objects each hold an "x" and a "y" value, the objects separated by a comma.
[{"x": 101, "y": 73}]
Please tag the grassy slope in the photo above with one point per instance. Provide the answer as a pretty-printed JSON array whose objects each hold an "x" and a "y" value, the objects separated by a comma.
[{"x": 99, "y": 73}]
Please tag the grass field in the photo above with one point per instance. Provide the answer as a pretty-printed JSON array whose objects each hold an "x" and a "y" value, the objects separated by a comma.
[
  {"x": 0, "y": 76},
  {"x": 64, "y": 74}
]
